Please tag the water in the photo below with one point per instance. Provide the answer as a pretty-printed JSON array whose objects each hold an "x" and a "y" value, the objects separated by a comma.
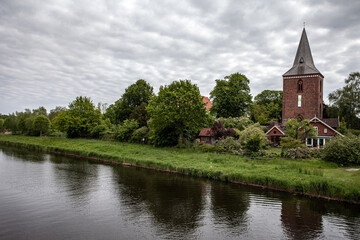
[{"x": 45, "y": 196}]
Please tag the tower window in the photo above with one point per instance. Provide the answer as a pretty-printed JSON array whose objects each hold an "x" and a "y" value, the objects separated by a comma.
[
  {"x": 300, "y": 85},
  {"x": 299, "y": 100}
]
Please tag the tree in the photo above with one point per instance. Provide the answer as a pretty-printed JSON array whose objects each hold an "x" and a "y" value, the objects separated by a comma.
[
  {"x": 10, "y": 123},
  {"x": 176, "y": 113},
  {"x": 231, "y": 96},
  {"x": 54, "y": 112},
  {"x": 42, "y": 124},
  {"x": 220, "y": 131},
  {"x": 2, "y": 125},
  {"x": 80, "y": 119},
  {"x": 347, "y": 100},
  {"x": 299, "y": 129},
  {"x": 268, "y": 106},
  {"x": 40, "y": 111},
  {"x": 135, "y": 94},
  {"x": 140, "y": 114},
  {"x": 342, "y": 128}
]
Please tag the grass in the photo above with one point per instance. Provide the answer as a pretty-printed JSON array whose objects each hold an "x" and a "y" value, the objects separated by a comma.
[{"x": 308, "y": 176}]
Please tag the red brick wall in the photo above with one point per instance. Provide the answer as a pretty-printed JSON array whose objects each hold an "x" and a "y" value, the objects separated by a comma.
[
  {"x": 311, "y": 97},
  {"x": 321, "y": 127}
]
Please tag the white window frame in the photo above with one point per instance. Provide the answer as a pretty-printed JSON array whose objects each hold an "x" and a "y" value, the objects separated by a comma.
[{"x": 325, "y": 130}]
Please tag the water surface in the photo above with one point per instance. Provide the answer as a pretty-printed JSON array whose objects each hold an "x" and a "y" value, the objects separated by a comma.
[{"x": 45, "y": 196}]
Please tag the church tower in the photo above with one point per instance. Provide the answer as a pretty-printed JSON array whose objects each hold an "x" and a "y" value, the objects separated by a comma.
[{"x": 303, "y": 86}]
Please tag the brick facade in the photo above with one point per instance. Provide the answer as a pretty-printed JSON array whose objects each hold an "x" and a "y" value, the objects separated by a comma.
[{"x": 311, "y": 92}]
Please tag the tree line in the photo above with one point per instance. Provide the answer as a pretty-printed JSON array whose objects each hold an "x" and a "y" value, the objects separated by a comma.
[{"x": 173, "y": 116}]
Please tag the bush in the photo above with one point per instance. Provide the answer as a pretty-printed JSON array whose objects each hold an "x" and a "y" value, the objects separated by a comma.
[
  {"x": 252, "y": 132},
  {"x": 253, "y": 144},
  {"x": 235, "y": 122},
  {"x": 355, "y": 132},
  {"x": 288, "y": 143},
  {"x": 343, "y": 150},
  {"x": 126, "y": 130},
  {"x": 99, "y": 131},
  {"x": 301, "y": 152},
  {"x": 228, "y": 144},
  {"x": 140, "y": 135}
]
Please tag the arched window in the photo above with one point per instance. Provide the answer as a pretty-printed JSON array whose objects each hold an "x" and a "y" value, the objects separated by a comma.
[
  {"x": 300, "y": 85},
  {"x": 299, "y": 118}
]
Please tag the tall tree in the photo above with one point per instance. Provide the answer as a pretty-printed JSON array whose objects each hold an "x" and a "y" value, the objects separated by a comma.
[
  {"x": 41, "y": 124},
  {"x": 54, "y": 112},
  {"x": 176, "y": 113},
  {"x": 134, "y": 95},
  {"x": 299, "y": 129},
  {"x": 231, "y": 96},
  {"x": 40, "y": 111},
  {"x": 347, "y": 100},
  {"x": 80, "y": 119},
  {"x": 267, "y": 106}
]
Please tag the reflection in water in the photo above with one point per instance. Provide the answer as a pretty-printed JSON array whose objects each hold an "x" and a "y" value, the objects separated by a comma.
[
  {"x": 229, "y": 206},
  {"x": 298, "y": 219},
  {"x": 174, "y": 201},
  {"x": 51, "y": 197}
]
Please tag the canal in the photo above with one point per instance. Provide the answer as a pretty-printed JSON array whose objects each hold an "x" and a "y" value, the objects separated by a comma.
[{"x": 44, "y": 196}]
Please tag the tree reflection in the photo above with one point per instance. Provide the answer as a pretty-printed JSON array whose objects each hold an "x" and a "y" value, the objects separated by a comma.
[
  {"x": 21, "y": 154},
  {"x": 174, "y": 201},
  {"x": 77, "y": 177},
  {"x": 298, "y": 220},
  {"x": 229, "y": 204}
]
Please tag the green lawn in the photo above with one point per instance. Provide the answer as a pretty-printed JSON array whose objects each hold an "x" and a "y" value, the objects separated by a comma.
[{"x": 309, "y": 176}]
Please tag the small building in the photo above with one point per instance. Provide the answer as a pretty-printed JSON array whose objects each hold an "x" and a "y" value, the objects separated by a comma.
[
  {"x": 275, "y": 133},
  {"x": 324, "y": 133},
  {"x": 206, "y": 135}
]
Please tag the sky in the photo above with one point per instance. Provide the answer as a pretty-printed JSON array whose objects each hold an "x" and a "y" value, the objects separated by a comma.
[{"x": 53, "y": 51}]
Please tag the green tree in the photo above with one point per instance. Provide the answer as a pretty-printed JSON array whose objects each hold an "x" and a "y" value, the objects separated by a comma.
[
  {"x": 41, "y": 124},
  {"x": 267, "y": 106},
  {"x": 80, "y": 119},
  {"x": 231, "y": 96},
  {"x": 2, "y": 125},
  {"x": 126, "y": 130},
  {"x": 140, "y": 114},
  {"x": 10, "y": 124},
  {"x": 299, "y": 129},
  {"x": 54, "y": 112},
  {"x": 176, "y": 113},
  {"x": 236, "y": 122},
  {"x": 347, "y": 100},
  {"x": 342, "y": 128},
  {"x": 40, "y": 111},
  {"x": 135, "y": 94}
]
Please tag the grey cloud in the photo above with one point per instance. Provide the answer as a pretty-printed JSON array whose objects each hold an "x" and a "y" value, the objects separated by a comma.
[{"x": 53, "y": 51}]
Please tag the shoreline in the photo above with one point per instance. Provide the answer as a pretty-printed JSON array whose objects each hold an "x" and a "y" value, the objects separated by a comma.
[{"x": 189, "y": 171}]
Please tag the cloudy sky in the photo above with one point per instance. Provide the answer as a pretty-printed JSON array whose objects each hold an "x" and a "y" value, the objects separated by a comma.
[{"x": 52, "y": 51}]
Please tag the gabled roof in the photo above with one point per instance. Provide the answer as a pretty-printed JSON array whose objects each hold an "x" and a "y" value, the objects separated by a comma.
[
  {"x": 277, "y": 127},
  {"x": 315, "y": 119},
  {"x": 332, "y": 122},
  {"x": 303, "y": 63},
  {"x": 206, "y": 132}
]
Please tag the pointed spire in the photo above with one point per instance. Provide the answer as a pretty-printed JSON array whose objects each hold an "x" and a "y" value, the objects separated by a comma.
[{"x": 303, "y": 63}]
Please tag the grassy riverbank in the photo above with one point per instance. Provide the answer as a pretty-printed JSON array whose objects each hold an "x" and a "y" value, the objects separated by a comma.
[{"x": 310, "y": 176}]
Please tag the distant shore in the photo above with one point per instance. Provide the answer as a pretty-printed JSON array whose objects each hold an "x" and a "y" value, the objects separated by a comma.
[{"x": 311, "y": 177}]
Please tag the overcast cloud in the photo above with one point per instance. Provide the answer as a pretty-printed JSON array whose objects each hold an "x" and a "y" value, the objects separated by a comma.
[{"x": 53, "y": 51}]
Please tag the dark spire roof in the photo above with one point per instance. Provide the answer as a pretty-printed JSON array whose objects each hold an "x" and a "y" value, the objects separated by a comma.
[{"x": 303, "y": 63}]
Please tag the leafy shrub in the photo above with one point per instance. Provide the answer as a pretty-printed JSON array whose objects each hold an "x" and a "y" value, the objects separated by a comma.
[
  {"x": 343, "y": 150},
  {"x": 235, "y": 122},
  {"x": 206, "y": 147},
  {"x": 252, "y": 131},
  {"x": 253, "y": 144},
  {"x": 126, "y": 130},
  {"x": 228, "y": 143},
  {"x": 355, "y": 132},
  {"x": 289, "y": 142},
  {"x": 301, "y": 152},
  {"x": 220, "y": 131},
  {"x": 140, "y": 135},
  {"x": 99, "y": 131}
]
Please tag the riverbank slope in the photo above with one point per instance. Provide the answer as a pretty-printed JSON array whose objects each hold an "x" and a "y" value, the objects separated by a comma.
[{"x": 312, "y": 177}]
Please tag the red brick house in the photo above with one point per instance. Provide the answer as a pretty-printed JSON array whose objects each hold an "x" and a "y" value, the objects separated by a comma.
[
  {"x": 206, "y": 135},
  {"x": 303, "y": 98}
]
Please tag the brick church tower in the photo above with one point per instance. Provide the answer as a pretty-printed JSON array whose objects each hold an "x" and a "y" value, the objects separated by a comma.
[{"x": 303, "y": 86}]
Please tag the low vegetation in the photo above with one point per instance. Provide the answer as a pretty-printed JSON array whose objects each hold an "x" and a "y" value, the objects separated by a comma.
[{"x": 305, "y": 176}]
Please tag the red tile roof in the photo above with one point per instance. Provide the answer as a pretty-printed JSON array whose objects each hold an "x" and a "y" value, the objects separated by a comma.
[
  {"x": 208, "y": 103},
  {"x": 206, "y": 132}
]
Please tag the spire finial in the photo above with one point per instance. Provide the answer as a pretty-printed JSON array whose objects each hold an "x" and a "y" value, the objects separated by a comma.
[{"x": 304, "y": 24}]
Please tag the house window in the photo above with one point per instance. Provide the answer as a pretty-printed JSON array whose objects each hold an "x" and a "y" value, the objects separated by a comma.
[
  {"x": 325, "y": 130},
  {"x": 275, "y": 132},
  {"x": 300, "y": 85},
  {"x": 316, "y": 131},
  {"x": 321, "y": 142},
  {"x": 299, "y": 100},
  {"x": 309, "y": 142}
]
